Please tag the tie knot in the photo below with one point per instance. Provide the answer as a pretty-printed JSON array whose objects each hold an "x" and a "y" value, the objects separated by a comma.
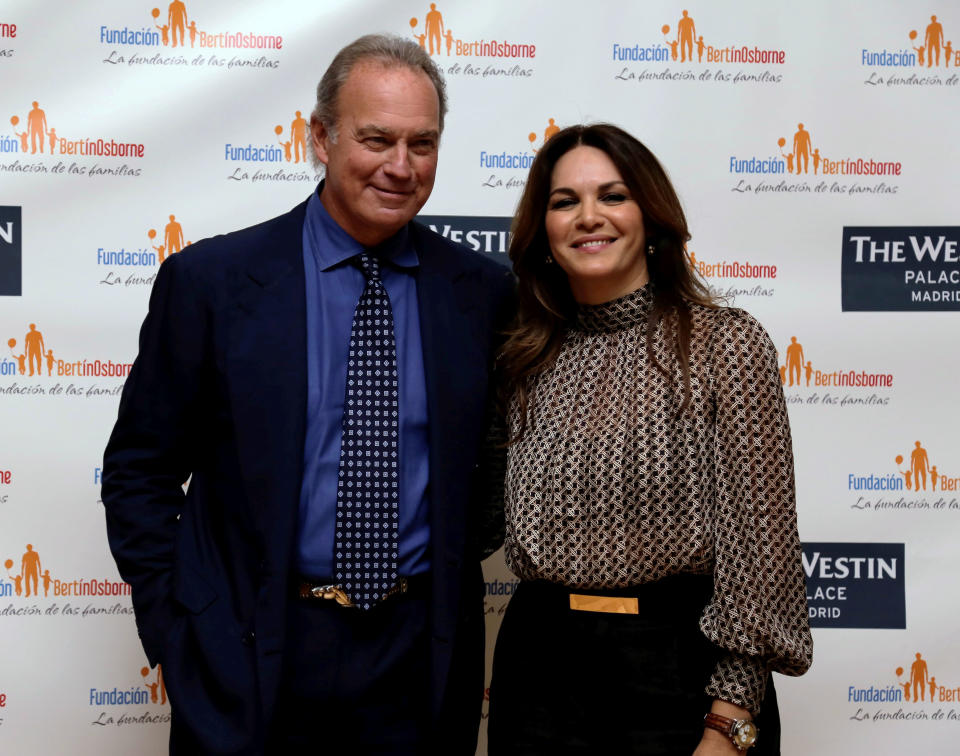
[{"x": 369, "y": 264}]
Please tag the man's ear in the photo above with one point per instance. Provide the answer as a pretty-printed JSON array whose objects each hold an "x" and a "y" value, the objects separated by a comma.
[{"x": 320, "y": 138}]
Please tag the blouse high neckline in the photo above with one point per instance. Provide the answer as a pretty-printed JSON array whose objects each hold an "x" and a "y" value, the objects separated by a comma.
[{"x": 627, "y": 311}]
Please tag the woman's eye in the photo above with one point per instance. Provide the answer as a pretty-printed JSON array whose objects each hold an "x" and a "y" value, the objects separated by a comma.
[
  {"x": 559, "y": 204},
  {"x": 614, "y": 197}
]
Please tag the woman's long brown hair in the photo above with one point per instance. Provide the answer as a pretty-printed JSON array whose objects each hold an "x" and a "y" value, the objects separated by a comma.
[{"x": 545, "y": 304}]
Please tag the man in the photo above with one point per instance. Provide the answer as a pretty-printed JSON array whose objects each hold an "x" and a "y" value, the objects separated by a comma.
[{"x": 251, "y": 359}]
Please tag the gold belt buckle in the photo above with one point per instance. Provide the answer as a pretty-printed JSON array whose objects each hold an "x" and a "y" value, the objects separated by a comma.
[
  {"x": 401, "y": 586},
  {"x": 607, "y": 604},
  {"x": 334, "y": 592}
]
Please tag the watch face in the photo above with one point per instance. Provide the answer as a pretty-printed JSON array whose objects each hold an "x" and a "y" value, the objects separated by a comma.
[{"x": 744, "y": 734}]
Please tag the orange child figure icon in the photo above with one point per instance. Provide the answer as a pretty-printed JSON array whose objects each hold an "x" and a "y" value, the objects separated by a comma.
[
  {"x": 449, "y": 38},
  {"x": 50, "y": 361},
  {"x": 919, "y": 50},
  {"x": 808, "y": 370},
  {"x": 686, "y": 32},
  {"x": 948, "y": 50},
  {"x": 794, "y": 359},
  {"x": 46, "y": 583},
  {"x": 153, "y": 685},
  {"x": 905, "y": 685},
  {"x": 193, "y": 32},
  {"x": 783, "y": 374},
  {"x": 33, "y": 344},
  {"x": 422, "y": 39},
  {"x": 802, "y": 147},
  {"x": 933, "y": 39},
  {"x": 919, "y": 466},
  {"x": 177, "y": 19},
  {"x": 933, "y": 476},
  {"x": 933, "y": 688},
  {"x": 433, "y": 25},
  {"x": 52, "y": 134},
  {"x": 37, "y": 127},
  {"x": 298, "y": 133},
  {"x": 173, "y": 236},
  {"x": 905, "y": 473},
  {"x": 816, "y": 161},
  {"x": 782, "y": 142},
  {"x": 919, "y": 678},
  {"x": 22, "y": 363},
  {"x": 30, "y": 569},
  {"x": 700, "y": 47},
  {"x": 17, "y": 579}
]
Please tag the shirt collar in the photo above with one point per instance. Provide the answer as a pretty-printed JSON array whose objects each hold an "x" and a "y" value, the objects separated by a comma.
[{"x": 332, "y": 246}]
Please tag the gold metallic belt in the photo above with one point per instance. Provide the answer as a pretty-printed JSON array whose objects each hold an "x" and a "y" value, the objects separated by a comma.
[
  {"x": 334, "y": 592},
  {"x": 609, "y": 604}
]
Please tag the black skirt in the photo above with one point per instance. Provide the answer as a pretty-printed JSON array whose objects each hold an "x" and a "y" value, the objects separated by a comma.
[{"x": 575, "y": 682}]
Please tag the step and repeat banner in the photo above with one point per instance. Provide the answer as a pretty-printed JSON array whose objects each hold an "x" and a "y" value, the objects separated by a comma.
[{"x": 815, "y": 150}]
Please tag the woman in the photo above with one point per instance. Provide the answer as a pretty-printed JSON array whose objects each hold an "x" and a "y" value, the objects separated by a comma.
[{"x": 649, "y": 492}]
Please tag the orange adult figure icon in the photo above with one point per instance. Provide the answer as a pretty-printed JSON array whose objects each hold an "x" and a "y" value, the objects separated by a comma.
[
  {"x": 918, "y": 678},
  {"x": 919, "y": 465},
  {"x": 50, "y": 361},
  {"x": 933, "y": 477},
  {"x": 298, "y": 133},
  {"x": 449, "y": 38},
  {"x": 808, "y": 370},
  {"x": 36, "y": 127},
  {"x": 794, "y": 360},
  {"x": 802, "y": 148},
  {"x": 173, "y": 236},
  {"x": 551, "y": 129},
  {"x": 933, "y": 39},
  {"x": 30, "y": 569},
  {"x": 33, "y": 344},
  {"x": 177, "y": 19},
  {"x": 433, "y": 25},
  {"x": 687, "y": 33}
]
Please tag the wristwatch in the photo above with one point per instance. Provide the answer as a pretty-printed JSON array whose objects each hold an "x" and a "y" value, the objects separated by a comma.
[{"x": 742, "y": 732}]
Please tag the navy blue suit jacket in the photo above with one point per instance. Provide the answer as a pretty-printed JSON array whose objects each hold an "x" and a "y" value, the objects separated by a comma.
[{"x": 217, "y": 394}]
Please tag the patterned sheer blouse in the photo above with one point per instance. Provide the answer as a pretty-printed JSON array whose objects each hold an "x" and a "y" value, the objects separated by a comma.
[{"x": 609, "y": 487}]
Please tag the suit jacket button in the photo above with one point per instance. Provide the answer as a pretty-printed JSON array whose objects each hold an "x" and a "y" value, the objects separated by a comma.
[{"x": 247, "y": 638}]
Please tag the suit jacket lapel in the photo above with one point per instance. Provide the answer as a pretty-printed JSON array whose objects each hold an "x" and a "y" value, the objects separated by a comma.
[{"x": 266, "y": 367}]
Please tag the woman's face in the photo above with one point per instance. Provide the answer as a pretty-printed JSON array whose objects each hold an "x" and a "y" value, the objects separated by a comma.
[{"x": 595, "y": 227}]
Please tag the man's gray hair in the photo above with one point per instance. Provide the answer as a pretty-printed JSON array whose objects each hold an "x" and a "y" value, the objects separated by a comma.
[{"x": 389, "y": 50}]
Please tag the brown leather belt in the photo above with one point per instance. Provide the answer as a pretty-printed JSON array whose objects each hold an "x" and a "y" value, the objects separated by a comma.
[{"x": 329, "y": 590}]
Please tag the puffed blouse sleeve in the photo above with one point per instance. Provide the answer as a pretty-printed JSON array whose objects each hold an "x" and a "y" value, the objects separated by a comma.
[{"x": 758, "y": 612}]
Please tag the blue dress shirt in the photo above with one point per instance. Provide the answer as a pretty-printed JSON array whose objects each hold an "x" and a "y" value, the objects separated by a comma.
[{"x": 333, "y": 287}]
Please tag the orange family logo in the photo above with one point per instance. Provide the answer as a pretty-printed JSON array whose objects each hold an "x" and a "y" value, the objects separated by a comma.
[
  {"x": 27, "y": 578},
  {"x": 925, "y": 47},
  {"x": 517, "y": 161},
  {"x": 798, "y": 371},
  {"x": 36, "y": 135},
  {"x": 683, "y": 43},
  {"x": 800, "y": 155},
  {"x": 175, "y": 27},
  {"x": 917, "y": 470},
  {"x": 914, "y": 683},
  {"x": 293, "y": 145},
  {"x": 171, "y": 240},
  {"x": 435, "y": 36},
  {"x": 33, "y": 355},
  {"x": 152, "y": 691}
]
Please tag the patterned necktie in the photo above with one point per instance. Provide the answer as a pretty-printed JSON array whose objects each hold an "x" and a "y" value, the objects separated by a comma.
[{"x": 368, "y": 492}]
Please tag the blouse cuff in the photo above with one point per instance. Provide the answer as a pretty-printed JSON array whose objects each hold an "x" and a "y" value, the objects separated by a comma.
[{"x": 739, "y": 679}]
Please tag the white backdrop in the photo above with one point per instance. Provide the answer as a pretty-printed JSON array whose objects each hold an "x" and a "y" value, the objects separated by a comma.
[{"x": 143, "y": 131}]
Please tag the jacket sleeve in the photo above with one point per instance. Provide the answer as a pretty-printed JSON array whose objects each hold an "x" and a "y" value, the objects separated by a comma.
[{"x": 149, "y": 456}]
